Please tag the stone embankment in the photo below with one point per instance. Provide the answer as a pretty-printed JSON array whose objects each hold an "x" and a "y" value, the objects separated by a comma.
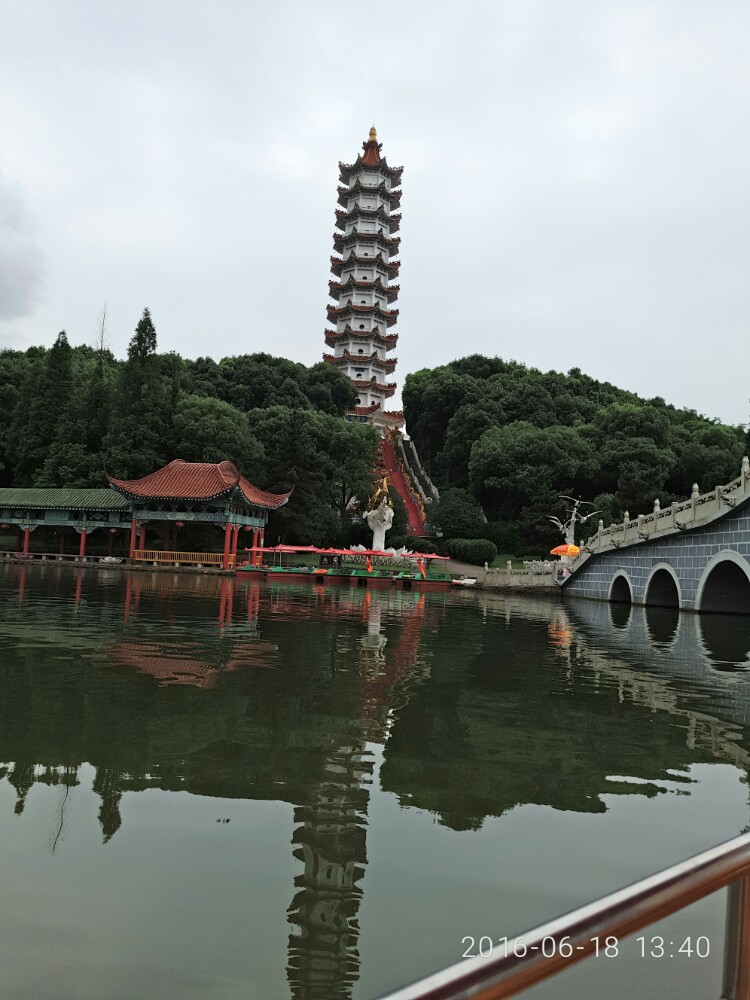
[{"x": 504, "y": 578}]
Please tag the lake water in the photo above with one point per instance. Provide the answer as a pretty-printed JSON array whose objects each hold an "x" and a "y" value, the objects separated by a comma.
[{"x": 217, "y": 788}]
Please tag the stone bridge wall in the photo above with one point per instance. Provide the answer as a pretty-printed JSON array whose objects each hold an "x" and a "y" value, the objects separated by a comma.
[{"x": 689, "y": 554}]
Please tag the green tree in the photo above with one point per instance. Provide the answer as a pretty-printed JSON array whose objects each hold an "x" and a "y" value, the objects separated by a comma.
[
  {"x": 139, "y": 436},
  {"x": 458, "y": 515},
  {"x": 209, "y": 430},
  {"x": 143, "y": 342},
  {"x": 325, "y": 459},
  {"x": 329, "y": 390},
  {"x": 519, "y": 464},
  {"x": 465, "y": 427},
  {"x": 42, "y": 403}
]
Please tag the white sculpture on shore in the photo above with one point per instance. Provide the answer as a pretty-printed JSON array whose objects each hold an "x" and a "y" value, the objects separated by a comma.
[
  {"x": 568, "y": 528},
  {"x": 379, "y": 520}
]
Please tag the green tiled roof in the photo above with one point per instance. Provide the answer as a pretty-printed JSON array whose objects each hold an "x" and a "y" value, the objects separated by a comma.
[{"x": 41, "y": 499}]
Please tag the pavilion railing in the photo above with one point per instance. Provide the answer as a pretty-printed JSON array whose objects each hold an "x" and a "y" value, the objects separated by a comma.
[
  {"x": 511, "y": 965},
  {"x": 183, "y": 558}
]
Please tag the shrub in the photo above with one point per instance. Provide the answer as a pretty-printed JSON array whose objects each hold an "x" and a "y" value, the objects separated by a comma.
[
  {"x": 476, "y": 551},
  {"x": 506, "y": 535},
  {"x": 418, "y": 543}
]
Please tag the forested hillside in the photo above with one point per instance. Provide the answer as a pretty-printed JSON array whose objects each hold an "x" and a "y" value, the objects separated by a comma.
[
  {"x": 512, "y": 438},
  {"x": 68, "y": 413}
]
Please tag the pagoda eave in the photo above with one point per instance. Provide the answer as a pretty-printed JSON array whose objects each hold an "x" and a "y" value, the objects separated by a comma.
[
  {"x": 392, "y": 266},
  {"x": 393, "y": 196},
  {"x": 388, "y": 243},
  {"x": 336, "y": 288},
  {"x": 388, "y": 340},
  {"x": 386, "y": 388},
  {"x": 387, "y": 364},
  {"x": 347, "y": 169},
  {"x": 389, "y": 317}
]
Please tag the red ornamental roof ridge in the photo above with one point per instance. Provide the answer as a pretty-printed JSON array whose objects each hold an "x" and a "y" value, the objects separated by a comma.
[
  {"x": 371, "y": 150},
  {"x": 181, "y": 480}
]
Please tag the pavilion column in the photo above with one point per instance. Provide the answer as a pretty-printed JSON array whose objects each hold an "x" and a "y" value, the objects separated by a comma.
[
  {"x": 133, "y": 529},
  {"x": 82, "y": 546},
  {"x": 227, "y": 544},
  {"x": 261, "y": 542},
  {"x": 26, "y": 537},
  {"x": 254, "y": 555},
  {"x": 235, "y": 538}
]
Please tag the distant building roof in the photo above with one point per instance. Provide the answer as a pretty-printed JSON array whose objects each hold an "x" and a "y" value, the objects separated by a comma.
[
  {"x": 64, "y": 499},
  {"x": 182, "y": 480}
]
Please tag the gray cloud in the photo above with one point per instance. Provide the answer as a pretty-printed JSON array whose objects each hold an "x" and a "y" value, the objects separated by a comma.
[
  {"x": 575, "y": 189},
  {"x": 21, "y": 261}
]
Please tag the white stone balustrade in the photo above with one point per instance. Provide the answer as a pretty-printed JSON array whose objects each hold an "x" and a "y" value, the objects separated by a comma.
[{"x": 700, "y": 509}]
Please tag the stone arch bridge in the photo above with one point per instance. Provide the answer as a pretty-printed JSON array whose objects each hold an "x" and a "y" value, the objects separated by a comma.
[{"x": 693, "y": 555}]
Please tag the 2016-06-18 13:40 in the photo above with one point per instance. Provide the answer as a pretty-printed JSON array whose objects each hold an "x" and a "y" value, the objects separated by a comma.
[{"x": 607, "y": 947}]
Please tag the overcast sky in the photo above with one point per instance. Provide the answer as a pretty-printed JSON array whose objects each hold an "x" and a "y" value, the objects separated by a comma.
[{"x": 576, "y": 178}]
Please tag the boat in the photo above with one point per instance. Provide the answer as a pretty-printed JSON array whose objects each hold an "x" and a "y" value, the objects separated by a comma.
[{"x": 358, "y": 567}]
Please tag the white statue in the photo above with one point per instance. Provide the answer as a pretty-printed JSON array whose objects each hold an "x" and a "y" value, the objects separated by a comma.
[{"x": 379, "y": 520}]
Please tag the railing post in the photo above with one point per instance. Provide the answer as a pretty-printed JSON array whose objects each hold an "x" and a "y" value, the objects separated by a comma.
[
  {"x": 227, "y": 545},
  {"x": 736, "y": 982}
]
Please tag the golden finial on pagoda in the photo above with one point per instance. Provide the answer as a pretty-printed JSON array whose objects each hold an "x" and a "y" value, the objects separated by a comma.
[{"x": 373, "y": 134}]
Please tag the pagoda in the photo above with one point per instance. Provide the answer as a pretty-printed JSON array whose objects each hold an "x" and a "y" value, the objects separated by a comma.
[{"x": 362, "y": 319}]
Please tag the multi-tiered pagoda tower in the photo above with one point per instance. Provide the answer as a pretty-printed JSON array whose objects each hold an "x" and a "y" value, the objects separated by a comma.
[{"x": 362, "y": 289}]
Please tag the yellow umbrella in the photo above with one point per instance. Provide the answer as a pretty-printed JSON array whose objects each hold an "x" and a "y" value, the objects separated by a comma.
[{"x": 565, "y": 550}]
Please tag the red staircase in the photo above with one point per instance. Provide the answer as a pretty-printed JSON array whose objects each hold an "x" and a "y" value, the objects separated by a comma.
[{"x": 396, "y": 476}]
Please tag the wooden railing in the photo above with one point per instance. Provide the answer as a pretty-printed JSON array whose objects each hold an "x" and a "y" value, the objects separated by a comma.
[{"x": 181, "y": 558}]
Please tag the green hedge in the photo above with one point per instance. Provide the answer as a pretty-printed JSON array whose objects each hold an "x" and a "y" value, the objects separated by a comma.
[
  {"x": 476, "y": 551},
  {"x": 414, "y": 543}
]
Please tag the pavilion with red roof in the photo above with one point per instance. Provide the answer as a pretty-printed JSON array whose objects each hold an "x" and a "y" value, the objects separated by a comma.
[
  {"x": 195, "y": 492},
  {"x": 213, "y": 493}
]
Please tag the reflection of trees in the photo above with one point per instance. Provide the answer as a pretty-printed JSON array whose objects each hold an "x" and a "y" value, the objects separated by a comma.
[
  {"x": 546, "y": 722},
  {"x": 107, "y": 787}
]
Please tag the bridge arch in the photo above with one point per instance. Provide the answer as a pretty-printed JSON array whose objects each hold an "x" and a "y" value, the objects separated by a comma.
[
  {"x": 621, "y": 588},
  {"x": 662, "y": 588},
  {"x": 724, "y": 587}
]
